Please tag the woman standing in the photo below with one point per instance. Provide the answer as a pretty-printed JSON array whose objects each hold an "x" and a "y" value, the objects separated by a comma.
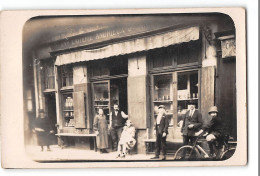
[{"x": 101, "y": 129}]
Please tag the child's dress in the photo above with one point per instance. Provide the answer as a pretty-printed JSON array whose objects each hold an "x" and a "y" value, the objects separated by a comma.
[{"x": 127, "y": 137}]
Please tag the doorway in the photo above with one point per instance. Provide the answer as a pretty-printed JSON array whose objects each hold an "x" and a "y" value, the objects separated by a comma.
[
  {"x": 50, "y": 101},
  {"x": 118, "y": 92}
]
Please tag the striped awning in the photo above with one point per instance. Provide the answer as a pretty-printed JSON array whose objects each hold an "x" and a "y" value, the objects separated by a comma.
[{"x": 131, "y": 46}]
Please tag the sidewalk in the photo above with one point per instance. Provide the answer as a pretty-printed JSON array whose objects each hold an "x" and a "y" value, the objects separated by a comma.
[{"x": 73, "y": 154}]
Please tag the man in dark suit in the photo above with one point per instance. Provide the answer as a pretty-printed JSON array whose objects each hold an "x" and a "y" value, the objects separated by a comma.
[
  {"x": 116, "y": 119},
  {"x": 191, "y": 123},
  {"x": 161, "y": 131}
]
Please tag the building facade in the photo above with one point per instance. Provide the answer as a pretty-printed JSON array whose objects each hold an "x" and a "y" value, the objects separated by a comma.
[{"x": 138, "y": 62}]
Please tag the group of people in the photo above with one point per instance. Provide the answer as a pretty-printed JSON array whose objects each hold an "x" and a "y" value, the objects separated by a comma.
[
  {"x": 192, "y": 127},
  {"x": 122, "y": 131},
  {"x": 123, "y": 136}
]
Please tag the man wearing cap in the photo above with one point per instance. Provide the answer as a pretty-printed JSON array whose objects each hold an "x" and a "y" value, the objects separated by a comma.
[
  {"x": 116, "y": 124},
  {"x": 191, "y": 123},
  {"x": 161, "y": 131},
  {"x": 213, "y": 129}
]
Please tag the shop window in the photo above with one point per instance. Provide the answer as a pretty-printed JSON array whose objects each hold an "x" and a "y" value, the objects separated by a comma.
[
  {"x": 188, "y": 53},
  {"x": 101, "y": 97},
  {"x": 187, "y": 91},
  {"x": 163, "y": 57},
  {"x": 49, "y": 76},
  {"x": 66, "y": 76},
  {"x": 68, "y": 109},
  {"x": 162, "y": 94}
]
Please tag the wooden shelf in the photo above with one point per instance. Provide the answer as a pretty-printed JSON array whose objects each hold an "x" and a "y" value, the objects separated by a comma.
[
  {"x": 65, "y": 110},
  {"x": 102, "y": 100},
  {"x": 188, "y": 99},
  {"x": 101, "y": 105},
  {"x": 69, "y": 116},
  {"x": 163, "y": 101}
]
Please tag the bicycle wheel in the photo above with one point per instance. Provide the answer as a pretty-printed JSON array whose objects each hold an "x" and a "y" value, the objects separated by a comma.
[
  {"x": 227, "y": 154},
  {"x": 186, "y": 153}
]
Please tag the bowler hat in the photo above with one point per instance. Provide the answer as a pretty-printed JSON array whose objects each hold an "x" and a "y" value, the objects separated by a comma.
[
  {"x": 191, "y": 102},
  {"x": 213, "y": 109},
  {"x": 161, "y": 106}
]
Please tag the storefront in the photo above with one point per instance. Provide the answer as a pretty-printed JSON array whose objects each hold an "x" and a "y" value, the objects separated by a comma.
[{"x": 138, "y": 67}]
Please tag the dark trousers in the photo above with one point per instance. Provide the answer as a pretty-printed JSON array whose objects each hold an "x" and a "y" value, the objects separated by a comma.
[
  {"x": 115, "y": 135},
  {"x": 188, "y": 140},
  {"x": 160, "y": 143}
]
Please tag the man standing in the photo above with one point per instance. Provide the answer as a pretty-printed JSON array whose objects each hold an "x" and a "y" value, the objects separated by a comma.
[
  {"x": 161, "y": 131},
  {"x": 116, "y": 125},
  {"x": 191, "y": 123}
]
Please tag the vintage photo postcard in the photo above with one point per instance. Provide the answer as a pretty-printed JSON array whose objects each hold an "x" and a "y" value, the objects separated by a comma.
[{"x": 123, "y": 88}]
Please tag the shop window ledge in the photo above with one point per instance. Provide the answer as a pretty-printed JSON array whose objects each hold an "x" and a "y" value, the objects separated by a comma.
[
  {"x": 49, "y": 90},
  {"x": 67, "y": 88}
]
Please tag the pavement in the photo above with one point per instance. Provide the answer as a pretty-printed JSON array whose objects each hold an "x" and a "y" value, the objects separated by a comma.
[{"x": 57, "y": 154}]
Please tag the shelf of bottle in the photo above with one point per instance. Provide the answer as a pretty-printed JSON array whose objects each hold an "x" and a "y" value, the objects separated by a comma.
[
  {"x": 162, "y": 101},
  {"x": 69, "y": 117},
  {"x": 188, "y": 99},
  {"x": 66, "y": 110},
  {"x": 101, "y": 100}
]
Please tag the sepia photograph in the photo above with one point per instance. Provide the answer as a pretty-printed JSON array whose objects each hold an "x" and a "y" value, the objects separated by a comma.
[{"x": 133, "y": 87}]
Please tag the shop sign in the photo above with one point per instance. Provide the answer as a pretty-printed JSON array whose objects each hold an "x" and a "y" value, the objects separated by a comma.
[
  {"x": 101, "y": 35},
  {"x": 228, "y": 48}
]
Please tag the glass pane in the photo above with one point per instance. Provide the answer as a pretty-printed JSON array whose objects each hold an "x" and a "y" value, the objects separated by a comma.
[
  {"x": 163, "y": 94},
  {"x": 68, "y": 109},
  {"x": 187, "y": 91},
  {"x": 101, "y": 97}
]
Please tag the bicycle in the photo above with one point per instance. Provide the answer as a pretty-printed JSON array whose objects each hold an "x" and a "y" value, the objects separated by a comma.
[{"x": 196, "y": 152}]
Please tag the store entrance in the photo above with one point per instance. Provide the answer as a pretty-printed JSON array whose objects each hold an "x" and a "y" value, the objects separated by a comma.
[
  {"x": 118, "y": 92},
  {"x": 51, "y": 113}
]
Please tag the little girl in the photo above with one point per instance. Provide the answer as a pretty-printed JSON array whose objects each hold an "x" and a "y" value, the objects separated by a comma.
[{"x": 127, "y": 140}]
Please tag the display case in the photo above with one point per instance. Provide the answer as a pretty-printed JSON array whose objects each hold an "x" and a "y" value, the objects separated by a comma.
[
  {"x": 68, "y": 109},
  {"x": 163, "y": 94}
]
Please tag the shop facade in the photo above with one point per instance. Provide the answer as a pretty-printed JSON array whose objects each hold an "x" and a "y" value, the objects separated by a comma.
[{"x": 139, "y": 67}]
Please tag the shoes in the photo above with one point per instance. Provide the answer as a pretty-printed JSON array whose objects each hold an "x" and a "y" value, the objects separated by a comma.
[
  {"x": 164, "y": 158},
  {"x": 48, "y": 150},
  {"x": 212, "y": 155},
  {"x": 155, "y": 157}
]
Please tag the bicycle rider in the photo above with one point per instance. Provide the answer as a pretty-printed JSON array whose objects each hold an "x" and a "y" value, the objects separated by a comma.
[{"x": 212, "y": 129}]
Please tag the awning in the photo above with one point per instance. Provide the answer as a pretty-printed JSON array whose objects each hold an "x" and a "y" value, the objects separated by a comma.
[{"x": 132, "y": 46}]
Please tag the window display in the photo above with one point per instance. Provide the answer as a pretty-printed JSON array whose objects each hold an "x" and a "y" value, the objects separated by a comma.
[
  {"x": 68, "y": 109},
  {"x": 187, "y": 91},
  {"x": 163, "y": 94}
]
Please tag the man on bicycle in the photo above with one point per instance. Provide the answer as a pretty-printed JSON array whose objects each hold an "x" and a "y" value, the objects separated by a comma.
[{"x": 213, "y": 129}]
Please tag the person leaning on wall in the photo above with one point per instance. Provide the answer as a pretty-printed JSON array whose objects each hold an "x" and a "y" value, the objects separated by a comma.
[{"x": 116, "y": 124}]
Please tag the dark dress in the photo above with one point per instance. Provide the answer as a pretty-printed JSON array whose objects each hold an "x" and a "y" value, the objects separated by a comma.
[
  {"x": 100, "y": 125},
  {"x": 43, "y": 136}
]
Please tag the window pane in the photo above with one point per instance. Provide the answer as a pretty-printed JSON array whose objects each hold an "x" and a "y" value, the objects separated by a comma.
[{"x": 163, "y": 95}]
